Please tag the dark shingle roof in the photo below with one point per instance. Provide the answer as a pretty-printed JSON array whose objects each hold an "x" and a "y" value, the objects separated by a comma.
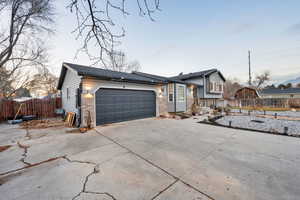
[
  {"x": 160, "y": 78},
  {"x": 136, "y": 77},
  {"x": 280, "y": 91},
  {"x": 105, "y": 74},
  {"x": 197, "y": 74}
]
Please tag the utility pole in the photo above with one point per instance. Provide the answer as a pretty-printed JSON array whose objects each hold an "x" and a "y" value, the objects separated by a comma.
[{"x": 249, "y": 59}]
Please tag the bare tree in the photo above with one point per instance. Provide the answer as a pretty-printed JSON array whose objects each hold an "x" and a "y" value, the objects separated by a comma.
[
  {"x": 261, "y": 79},
  {"x": 120, "y": 63},
  {"x": 230, "y": 87},
  {"x": 12, "y": 82},
  {"x": 298, "y": 85},
  {"x": 21, "y": 42},
  {"x": 43, "y": 83},
  {"x": 97, "y": 28}
]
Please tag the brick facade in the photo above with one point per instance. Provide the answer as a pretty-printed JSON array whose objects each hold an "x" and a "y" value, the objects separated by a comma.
[
  {"x": 87, "y": 108},
  {"x": 189, "y": 104},
  {"x": 162, "y": 105}
]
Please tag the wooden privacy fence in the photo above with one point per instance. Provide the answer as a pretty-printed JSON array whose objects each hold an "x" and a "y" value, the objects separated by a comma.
[
  {"x": 275, "y": 103},
  {"x": 42, "y": 108}
]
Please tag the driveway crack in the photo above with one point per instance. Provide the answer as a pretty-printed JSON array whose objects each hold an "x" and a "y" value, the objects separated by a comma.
[
  {"x": 165, "y": 189},
  {"x": 79, "y": 161},
  {"x": 95, "y": 171},
  {"x": 156, "y": 166},
  {"x": 24, "y": 155}
]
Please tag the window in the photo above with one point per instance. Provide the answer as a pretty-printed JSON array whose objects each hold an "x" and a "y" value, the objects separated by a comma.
[
  {"x": 68, "y": 93},
  {"x": 78, "y": 98},
  {"x": 181, "y": 95},
  {"x": 211, "y": 86},
  {"x": 170, "y": 90},
  {"x": 195, "y": 92},
  {"x": 220, "y": 87},
  {"x": 215, "y": 87}
]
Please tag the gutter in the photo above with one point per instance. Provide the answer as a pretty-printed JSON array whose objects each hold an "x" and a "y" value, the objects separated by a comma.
[{"x": 122, "y": 80}]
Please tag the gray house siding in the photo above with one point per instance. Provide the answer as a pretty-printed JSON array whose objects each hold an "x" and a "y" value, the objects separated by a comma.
[
  {"x": 200, "y": 91},
  {"x": 69, "y": 90},
  {"x": 202, "y": 83},
  {"x": 215, "y": 77}
]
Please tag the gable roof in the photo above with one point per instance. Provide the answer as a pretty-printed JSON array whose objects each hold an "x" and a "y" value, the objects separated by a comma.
[
  {"x": 249, "y": 88},
  {"x": 198, "y": 74},
  {"x": 280, "y": 91},
  {"x": 135, "y": 77},
  {"x": 104, "y": 74}
]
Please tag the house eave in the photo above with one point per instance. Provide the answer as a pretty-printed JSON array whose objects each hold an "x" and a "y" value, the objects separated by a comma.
[{"x": 121, "y": 80}]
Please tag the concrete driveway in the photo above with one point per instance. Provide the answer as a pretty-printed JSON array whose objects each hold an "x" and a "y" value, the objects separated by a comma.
[{"x": 148, "y": 159}]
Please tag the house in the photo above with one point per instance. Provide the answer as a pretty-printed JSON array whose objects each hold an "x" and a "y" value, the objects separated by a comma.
[
  {"x": 108, "y": 96},
  {"x": 246, "y": 93},
  {"x": 277, "y": 93},
  {"x": 207, "y": 86}
]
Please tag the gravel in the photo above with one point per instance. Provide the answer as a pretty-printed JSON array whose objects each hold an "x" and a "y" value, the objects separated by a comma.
[
  {"x": 272, "y": 125},
  {"x": 279, "y": 113}
]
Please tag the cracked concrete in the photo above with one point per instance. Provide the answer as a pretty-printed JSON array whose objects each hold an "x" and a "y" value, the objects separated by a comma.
[
  {"x": 94, "y": 196},
  {"x": 52, "y": 180},
  {"x": 148, "y": 159},
  {"x": 24, "y": 155}
]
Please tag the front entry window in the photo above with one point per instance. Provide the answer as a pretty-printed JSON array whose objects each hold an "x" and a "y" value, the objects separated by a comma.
[
  {"x": 171, "y": 92},
  {"x": 181, "y": 95}
]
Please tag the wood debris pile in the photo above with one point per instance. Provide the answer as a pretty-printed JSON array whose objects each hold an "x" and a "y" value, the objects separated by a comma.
[{"x": 36, "y": 124}]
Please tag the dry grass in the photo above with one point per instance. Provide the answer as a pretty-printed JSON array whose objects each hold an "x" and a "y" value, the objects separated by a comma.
[{"x": 37, "y": 124}]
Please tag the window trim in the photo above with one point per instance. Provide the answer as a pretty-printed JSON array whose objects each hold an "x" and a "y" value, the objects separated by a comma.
[
  {"x": 171, "y": 92},
  {"x": 181, "y": 98}
]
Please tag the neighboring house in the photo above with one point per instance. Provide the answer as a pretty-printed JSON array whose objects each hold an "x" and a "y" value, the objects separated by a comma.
[
  {"x": 109, "y": 96},
  {"x": 246, "y": 93},
  {"x": 276, "y": 93}
]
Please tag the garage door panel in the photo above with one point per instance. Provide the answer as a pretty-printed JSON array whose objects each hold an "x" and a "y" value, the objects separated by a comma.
[{"x": 115, "y": 105}]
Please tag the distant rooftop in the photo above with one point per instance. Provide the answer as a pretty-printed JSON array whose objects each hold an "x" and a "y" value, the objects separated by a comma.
[{"x": 280, "y": 91}]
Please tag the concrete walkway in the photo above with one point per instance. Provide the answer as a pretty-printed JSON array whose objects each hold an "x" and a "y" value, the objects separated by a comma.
[{"x": 148, "y": 159}]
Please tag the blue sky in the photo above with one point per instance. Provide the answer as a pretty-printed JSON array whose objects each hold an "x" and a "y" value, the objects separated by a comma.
[{"x": 197, "y": 35}]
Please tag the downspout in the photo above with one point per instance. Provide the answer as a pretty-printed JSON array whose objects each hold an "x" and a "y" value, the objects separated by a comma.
[
  {"x": 80, "y": 103},
  {"x": 204, "y": 89},
  {"x": 175, "y": 97}
]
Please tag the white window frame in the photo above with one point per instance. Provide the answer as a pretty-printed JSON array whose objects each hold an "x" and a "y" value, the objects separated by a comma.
[
  {"x": 216, "y": 87},
  {"x": 181, "y": 98}
]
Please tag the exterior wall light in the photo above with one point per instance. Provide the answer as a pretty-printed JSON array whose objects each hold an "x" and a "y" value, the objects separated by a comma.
[
  {"x": 87, "y": 93},
  {"x": 161, "y": 90}
]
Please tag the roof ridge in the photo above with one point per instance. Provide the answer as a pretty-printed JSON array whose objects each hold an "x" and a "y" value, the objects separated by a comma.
[{"x": 79, "y": 65}]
